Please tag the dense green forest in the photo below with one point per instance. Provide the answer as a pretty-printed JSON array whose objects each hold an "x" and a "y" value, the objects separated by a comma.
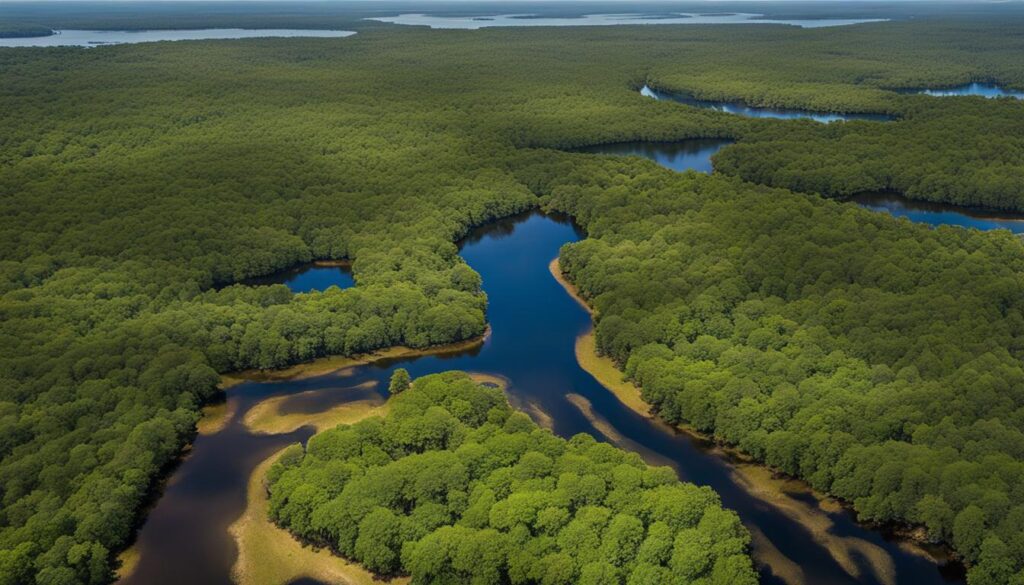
[
  {"x": 138, "y": 182},
  {"x": 452, "y": 486},
  {"x": 878, "y": 359}
]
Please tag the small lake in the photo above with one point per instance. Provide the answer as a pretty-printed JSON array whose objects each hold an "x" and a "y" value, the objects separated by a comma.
[
  {"x": 309, "y": 277},
  {"x": 988, "y": 90},
  {"x": 95, "y": 38},
  {"x": 685, "y": 155},
  {"x": 936, "y": 214},
  {"x": 741, "y": 109},
  {"x": 535, "y": 325},
  {"x": 476, "y": 22}
]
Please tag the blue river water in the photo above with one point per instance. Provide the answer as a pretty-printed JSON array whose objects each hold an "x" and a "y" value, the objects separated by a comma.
[
  {"x": 988, "y": 90},
  {"x": 936, "y": 214},
  {"x": 308, "y": 277},
  {"x": 741, "y": 109}
]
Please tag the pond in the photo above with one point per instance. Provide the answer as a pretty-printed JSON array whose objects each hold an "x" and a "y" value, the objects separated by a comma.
[
  {"x": 309, "y": 277},
  {"x": 483, "y": 21},
  {"x": 741, "y": 109},
  {"x": 936, "y": 214},
  {"x": 694, "y": 154},
  {"x": 535, "y": 325},
  {"x": 988, "y": 90},
  {"x": 95, "y": 38}
]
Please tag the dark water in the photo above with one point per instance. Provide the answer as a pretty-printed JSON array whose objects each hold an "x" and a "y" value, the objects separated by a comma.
[
  {"x": 535, "y": 325},
  {"x": 679, "y": 156},
  {"x": 988, "y": 90},
  {"x": 941, "y": 213},
  {"x": 741, "y": 109},
  {"x": 308, "y": 277}
]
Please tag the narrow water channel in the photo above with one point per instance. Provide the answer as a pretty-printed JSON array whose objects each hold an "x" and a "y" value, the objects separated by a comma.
[
  {"x": 741, "y": 109},
  {"x": 936, "y": 214},
  {"x": 535, "y": 325}
]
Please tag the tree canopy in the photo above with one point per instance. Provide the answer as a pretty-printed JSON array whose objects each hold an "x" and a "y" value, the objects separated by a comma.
[{"x": 453, "y": 486}]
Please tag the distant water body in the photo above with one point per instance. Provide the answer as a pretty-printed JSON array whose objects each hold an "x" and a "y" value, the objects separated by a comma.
[
  {"x": 988, "y": 90},
  {"x": 475, "y": 22},
  {"x": 95, "y": 38}
]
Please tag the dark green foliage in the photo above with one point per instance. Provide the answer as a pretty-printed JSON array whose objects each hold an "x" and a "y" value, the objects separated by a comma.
[
  {"x": 878, "y": 359},
  {"x": 452, "y": 486},
  {"x": 399, "y": 381}
]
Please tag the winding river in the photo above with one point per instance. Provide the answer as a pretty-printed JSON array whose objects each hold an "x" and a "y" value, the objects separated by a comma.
[
  {"x": 797, "y": 537},
  {"x": 741, "y": 109}
]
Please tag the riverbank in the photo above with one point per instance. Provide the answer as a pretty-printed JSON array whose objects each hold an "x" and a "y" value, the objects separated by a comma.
[
  {"x": 270, "y": 555},
  {"x": 792, "y": 496},
  {"x": 328, "y": 364}
]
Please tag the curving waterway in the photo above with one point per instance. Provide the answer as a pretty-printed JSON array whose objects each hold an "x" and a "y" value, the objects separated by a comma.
[
  {"x": 936, "y": 213},
  {"x": 535, "y": 324},
  {"x": 739, "y": 108},
  {"x": 986, "y": 90}
]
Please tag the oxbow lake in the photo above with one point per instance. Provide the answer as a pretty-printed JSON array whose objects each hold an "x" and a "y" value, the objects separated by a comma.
[
  {"x": 315, "y": 276},
  {"x": 535, "y": 325},
  {"x": 96, "y": 38},
  {"x": 475, "y": 22},
  {"x": 741, "y": 109}
]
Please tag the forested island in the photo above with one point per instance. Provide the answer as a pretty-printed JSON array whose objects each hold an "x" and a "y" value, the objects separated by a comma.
[
  {"x": 452, "y": 486},
  {"x": 878, "y": 360}
]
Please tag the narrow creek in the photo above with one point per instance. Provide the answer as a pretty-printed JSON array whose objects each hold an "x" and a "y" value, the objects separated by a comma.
[{"x": 535, "y": 325}]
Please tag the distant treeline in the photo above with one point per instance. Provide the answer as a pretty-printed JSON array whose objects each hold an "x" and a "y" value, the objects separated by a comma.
[
  {"x": 136, "y": 179},
  {"x": 13, "y": 31}
]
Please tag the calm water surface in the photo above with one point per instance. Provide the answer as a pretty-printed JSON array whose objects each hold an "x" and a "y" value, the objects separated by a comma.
[
  {"x": 308, "y": 277},
  {"x": 988, "y": 90},
  {"x": 679, "y": 156},
  {"x": 535, "y": 325},
  {"x": 475, "y": 22},
  {"x": 941, "y": 213},
  {"x": 94, "y": 38},
  {"x": 741, "y": 109}
]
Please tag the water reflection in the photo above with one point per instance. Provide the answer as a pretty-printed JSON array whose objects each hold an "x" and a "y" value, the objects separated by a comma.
[
  {"x": 988, "y": 90},
  {"x": 679, "y": 156},
  {"x": 741, "y": 109},
  {"x": 936, "y": 214}
]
